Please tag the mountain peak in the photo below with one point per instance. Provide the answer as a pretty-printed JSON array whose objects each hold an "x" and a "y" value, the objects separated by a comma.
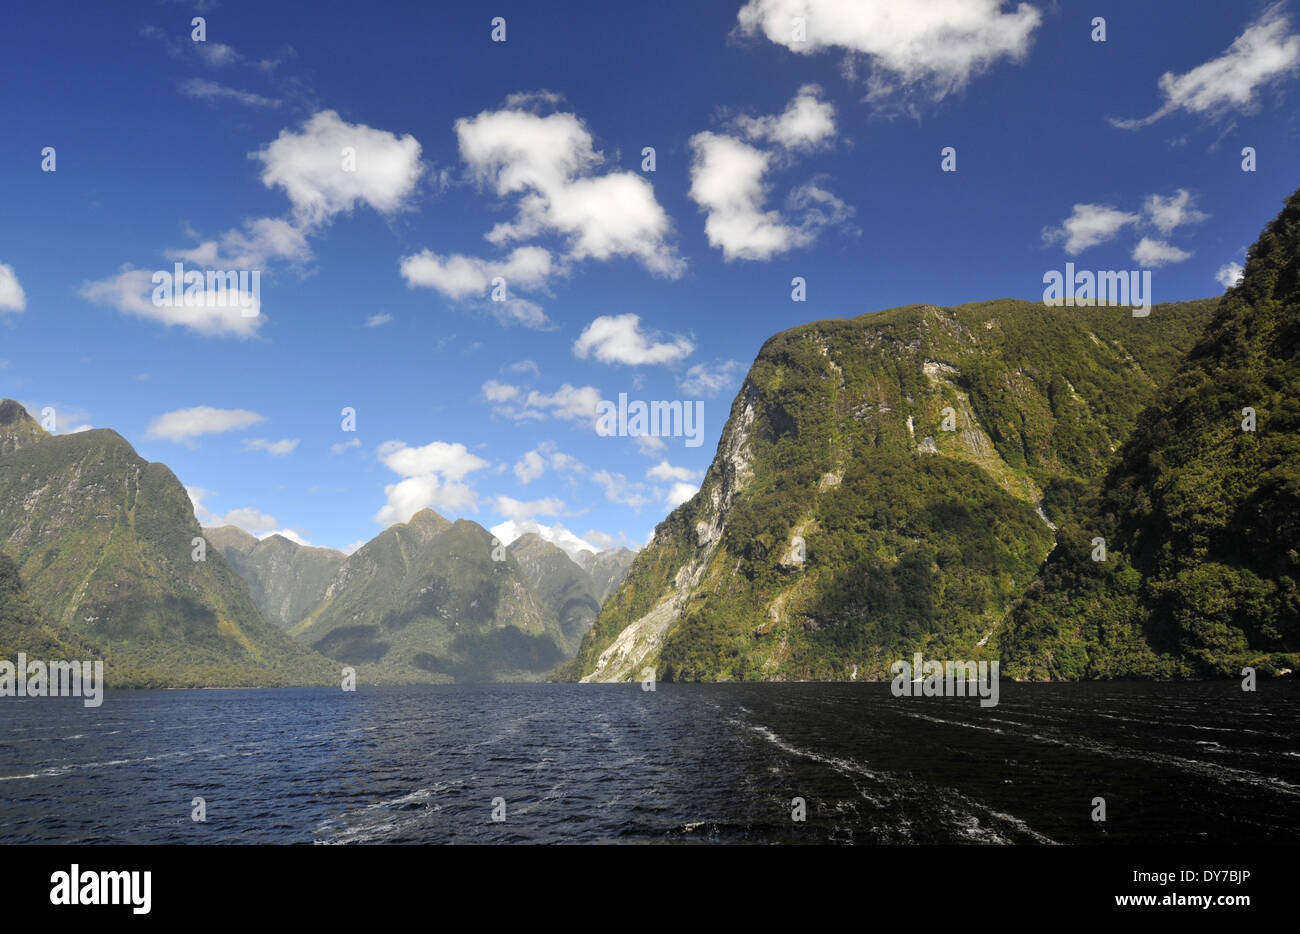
[
  {"x": 427, "y": 516},
  {"x": 17, "y": 428}
]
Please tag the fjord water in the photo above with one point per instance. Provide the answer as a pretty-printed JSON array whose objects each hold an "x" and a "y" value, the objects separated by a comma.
[{"x": 712, "y": 763}]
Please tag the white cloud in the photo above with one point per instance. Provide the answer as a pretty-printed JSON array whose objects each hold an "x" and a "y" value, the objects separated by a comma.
[
  {"x": 379, "y": 320},
  {"x": 680, "y": 493},
  {"x": 506, "y": 532},
  {"x": 1166, "y": 214},
  {"x": 462, "y": 277},
  {"x": 496, "y": 391},
  {"x": 345, "y": 445},
  {"x": 550, "y": 164},
  {"x": 619, "y": 339},
  {"x": 1262, "y": 55},
  {"x": 1153, "y": 253},
  {"x": 211, "y": 90},
  {"x": 727, "y": 181},
  {"x": 408, "y": 497},
  {"x": 351, "y": 548},
  {"x": 666, "y": 471},
  {"x": 516, "y": 509},
  {"x": 807, "y": 123},
  {"x": 567, "y": 403},
  {"x": 649, "y": 445},
  {"x": 530, "y": 467},
  {"x": 525, "y": 366},
  {"x": 619, "y": 490},
  {"x": 451, "y": 461},
  {"x": 1089, "y": 225},
  {"x": 434, "y": 476},
  {"x": 247, "y": 518},
  {"x": 308, "y": 165},
  {"x": 1229, "y": 274},
  {"x": 263, "y": 240},
  {"x": 938, "y": 45},
  {"x": 549, "y": 167},
  {"x": 708, "y": 379},
  {"x": 12, "y": 297},
  {"x": 183, "y": 424},
  {"x": 535, "y": 462},
  {"x": 459, "y": 277},
  {"x": 274, "y": 448},
  {"x": 131, "y": 292}
]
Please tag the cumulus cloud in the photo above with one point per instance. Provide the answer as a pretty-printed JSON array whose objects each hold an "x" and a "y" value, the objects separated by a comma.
[
  {"x": 1089, "y": 225},
  {"x": 709, "y": 379},
  {"x": 1229, "y": 274},
  {"x": 506, "y": 532},
  {"x": 409, "y": 496},
  {"x": 619, "y": 339},
  {"x": 807, "y": 123},
  {"x": 345, "y": 445},
  {"x": 434, "y": 478},
  {"x": 12, "y": 296},
  {"x": 1168, "y": 213},
  {"x": 937, "y": 46},
  {"x": 131, "y": 292},
  {"x": 551, "y": 165},
  {"x": 274, "y": 448},
  {"x": 1150, "y": 252},
  {"x": 728, "y": 181},
  {"x": 262, "y": 241},
  {"x": 307, "y": 164},
  {"x": 1265, "y": 53},
  {"x": 451, "y": 461},
  {"x": 184, "y": 424},
  {"x": 548, "y": 166},
  {"x": 459, "y": 277},
  {"x": 567, "y": 403}
]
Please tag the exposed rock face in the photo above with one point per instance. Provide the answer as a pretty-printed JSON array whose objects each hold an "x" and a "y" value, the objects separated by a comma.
[{"x": 913, "y": 536}]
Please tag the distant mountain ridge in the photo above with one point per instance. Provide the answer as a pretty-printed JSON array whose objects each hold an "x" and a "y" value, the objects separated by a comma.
[
  {"x": 103, "y": 542},
  {"x": 286, "y": 579}
]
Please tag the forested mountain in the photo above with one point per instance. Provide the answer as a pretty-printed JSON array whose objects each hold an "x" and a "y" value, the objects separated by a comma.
[
  {"x": 1200, "y": 514},
  {"x": 103, "y": 542},
  {"x": 884, "y": 484}
]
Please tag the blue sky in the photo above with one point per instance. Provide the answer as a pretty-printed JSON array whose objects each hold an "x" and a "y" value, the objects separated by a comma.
[{"x": 776, "y": 157}]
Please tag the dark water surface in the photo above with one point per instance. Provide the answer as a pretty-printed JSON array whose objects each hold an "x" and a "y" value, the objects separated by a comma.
[{"x": 1176, "y": 763}]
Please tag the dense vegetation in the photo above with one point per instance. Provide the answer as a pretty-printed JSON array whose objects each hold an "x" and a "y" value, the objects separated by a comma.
[
  {"x": 1201, "y": 517},
  {"x": 102, "y": 540},
  {"x": 914, "y": 538}
]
